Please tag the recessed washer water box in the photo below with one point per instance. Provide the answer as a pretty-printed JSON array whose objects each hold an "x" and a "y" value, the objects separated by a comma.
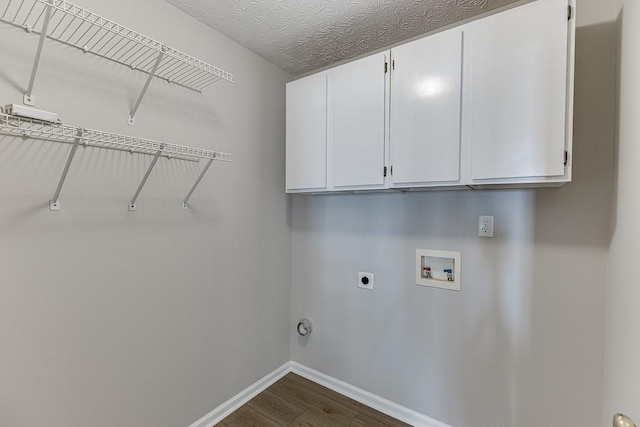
[
  {"x": 31, "y": 113},
  {"x": 438, "y": 269}
]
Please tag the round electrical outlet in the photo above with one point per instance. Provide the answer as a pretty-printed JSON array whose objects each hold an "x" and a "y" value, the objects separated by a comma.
[{"x": 365, "y": 280}]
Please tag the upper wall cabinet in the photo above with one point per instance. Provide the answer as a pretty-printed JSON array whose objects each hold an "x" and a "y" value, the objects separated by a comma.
[
  {"x": 517, "y": 85},
  {"x": 356, "y": 123},
  {"x": 307, "y": 134},
  {"x": 488, "y": 103},
  {"x": 426, "y": 86}
]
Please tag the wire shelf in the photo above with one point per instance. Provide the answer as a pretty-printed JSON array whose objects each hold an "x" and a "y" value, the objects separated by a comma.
[
  {"x": 77, "y": 27},
  {"x": 58, "y": 132}
]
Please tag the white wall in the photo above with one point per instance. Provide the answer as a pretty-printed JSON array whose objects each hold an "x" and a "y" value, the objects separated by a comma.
[
  {"x": 622, "y": 377},
  {"x": 111, "y": 318},
  {"x": 522, "y": 345}
]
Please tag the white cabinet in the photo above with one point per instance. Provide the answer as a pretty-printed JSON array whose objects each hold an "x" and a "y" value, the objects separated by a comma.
[
  {"x": 306, "y": 152},
  {"x": 518, "y": 90},
  {"x": 426, "y": 85},
  {"x": 488, "y": 103},
  {"x": 356, "y": 123}
]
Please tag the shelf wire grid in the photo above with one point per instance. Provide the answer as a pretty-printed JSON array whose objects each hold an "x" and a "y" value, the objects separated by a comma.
[
  {"x": 77, "y": 27},
  {"x": 58, "y": 132}
]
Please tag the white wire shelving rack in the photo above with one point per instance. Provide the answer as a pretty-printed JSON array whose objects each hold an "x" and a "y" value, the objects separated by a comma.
[
  {"x": 33, "y": 129},
  {"x": 77, "y": 27}
]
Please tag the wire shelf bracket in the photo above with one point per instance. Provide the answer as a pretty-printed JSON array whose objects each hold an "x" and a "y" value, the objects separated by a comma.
[
  {"x": 54, "y": 204},
  {"x": 28, "y": 96},
  {"x": 185, "y": 202},
  {"x": 25, "y": 128},
  {"x": 132, "y": 203},
  {"x": 89, "y": 32},
  {"x": 132, "y": 116}
]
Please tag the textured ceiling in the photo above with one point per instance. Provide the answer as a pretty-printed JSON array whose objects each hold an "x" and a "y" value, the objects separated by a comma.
[{"x": 303, "y": 35}]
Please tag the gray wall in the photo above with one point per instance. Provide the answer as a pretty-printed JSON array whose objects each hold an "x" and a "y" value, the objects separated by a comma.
[
  {"x": 111, "y": 318},
  {"x": 622, "y": 375},
  {"x": 522, "y": 345}
]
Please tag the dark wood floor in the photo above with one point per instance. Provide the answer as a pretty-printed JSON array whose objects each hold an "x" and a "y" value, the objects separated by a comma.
[{"x": 296, "y": 401}]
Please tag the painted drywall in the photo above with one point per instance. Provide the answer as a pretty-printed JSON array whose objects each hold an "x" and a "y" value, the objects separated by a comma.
[
  {"x": 523, "y": 343},
  {"x": 622, "y": 374},
  {"x": 153, "y": 318}
]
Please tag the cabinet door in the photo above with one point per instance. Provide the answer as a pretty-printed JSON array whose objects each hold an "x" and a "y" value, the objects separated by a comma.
[
  {"x": 306, "y": 152},
  {"x": 426, "y": 84},
  {"x": 518, "y": 85},
  {"x": 357, "y": 110}
]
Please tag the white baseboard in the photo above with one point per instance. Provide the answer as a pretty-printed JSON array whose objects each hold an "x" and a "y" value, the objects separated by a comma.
[
  {"x": 371, "y": 400},
  {"x": 231, "y": 405}
]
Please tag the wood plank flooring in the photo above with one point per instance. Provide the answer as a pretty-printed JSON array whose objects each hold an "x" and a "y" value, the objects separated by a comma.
[{"x": 296, "y": 401}]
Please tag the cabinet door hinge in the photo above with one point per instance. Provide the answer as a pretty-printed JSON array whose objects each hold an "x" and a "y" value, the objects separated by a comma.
[
  {"x": 569, "y": 12},
  {"x": 393, "y": 64},
  {"x": 391, "y": 170},
  {"x": 386, "y": 67},
  {"x": 385, "y": 171},
  {"x": 566, "y": 157}
]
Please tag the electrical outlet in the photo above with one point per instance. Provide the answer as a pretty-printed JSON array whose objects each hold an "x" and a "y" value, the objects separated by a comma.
[
  {"x": 365, "y": 280},
  {"x": 485, "y": 226}
]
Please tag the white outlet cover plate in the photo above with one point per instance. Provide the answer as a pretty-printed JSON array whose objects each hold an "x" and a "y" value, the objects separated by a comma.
[
  {"x": 485, "y": 226},
  {"x": 363, "y": 274}
]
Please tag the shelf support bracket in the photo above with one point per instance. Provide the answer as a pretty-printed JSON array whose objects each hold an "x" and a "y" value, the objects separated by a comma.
[
  {"x": 132, "y": 203},
  {"x": 204, "y": 171},
  {"x": 28, "y": 98},
  {"x": 54, "y": 204},
  {"x": 132, "y": 116}
]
